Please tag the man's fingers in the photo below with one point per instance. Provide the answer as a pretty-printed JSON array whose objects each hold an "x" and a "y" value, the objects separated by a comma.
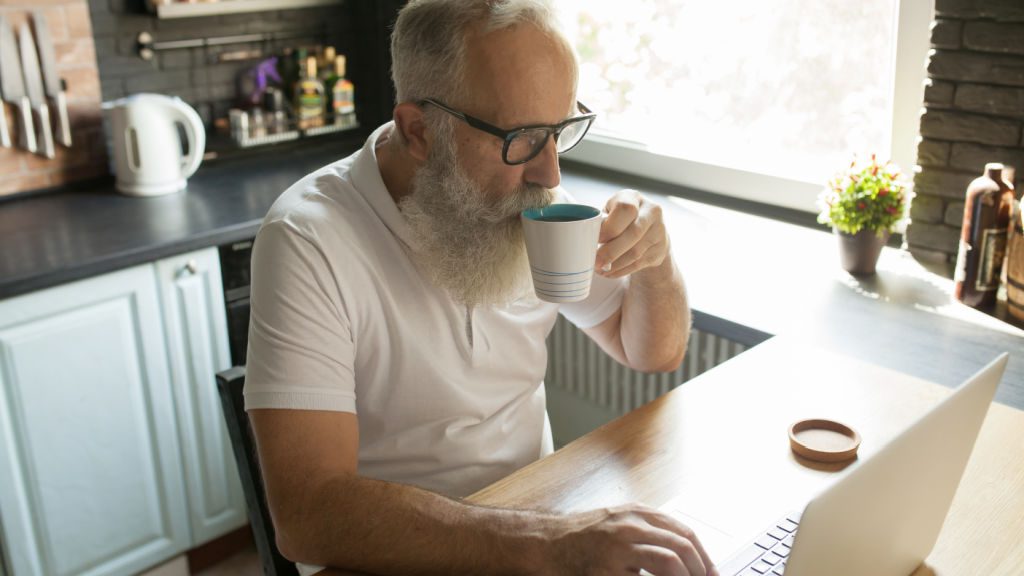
[
  {"x": 670, "y": 523},
  {"x": 657, "y": 560},
  {"x": 622, "y": 210},
  {"x": 633, "y": 237}
]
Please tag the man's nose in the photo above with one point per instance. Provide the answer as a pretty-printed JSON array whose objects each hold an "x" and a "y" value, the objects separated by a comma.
[{"x": 543, "y": 168}]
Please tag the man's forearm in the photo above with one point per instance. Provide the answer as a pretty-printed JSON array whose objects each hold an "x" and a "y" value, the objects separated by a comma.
[
  {"x": 655, "y": 324},
  {"x": 385, "y": 528}
]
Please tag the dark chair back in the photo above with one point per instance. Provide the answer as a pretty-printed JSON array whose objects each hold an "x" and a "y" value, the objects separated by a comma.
[{"x": 230, "y": 383}]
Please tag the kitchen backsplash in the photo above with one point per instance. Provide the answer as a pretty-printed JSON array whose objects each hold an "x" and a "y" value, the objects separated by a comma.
[
  {"x": 208, "y": 77},
  {"x": 69, "y": 25}
]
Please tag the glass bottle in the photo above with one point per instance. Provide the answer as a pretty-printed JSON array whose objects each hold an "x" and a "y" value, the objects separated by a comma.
[
  {"x": 309, "y": 97},
  {"x": 343, "y": 98},
  {"x": 982, "y": 238},
  {"x": 1014, "y": 269}
]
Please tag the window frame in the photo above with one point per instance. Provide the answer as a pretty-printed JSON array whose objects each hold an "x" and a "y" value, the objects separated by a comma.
[{"x": 909, "y": 72}]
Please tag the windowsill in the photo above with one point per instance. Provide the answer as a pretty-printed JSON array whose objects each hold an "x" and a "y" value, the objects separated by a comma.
[{"x": 753, "y": 271}]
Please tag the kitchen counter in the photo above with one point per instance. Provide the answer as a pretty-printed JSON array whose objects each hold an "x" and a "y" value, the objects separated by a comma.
[
  {"x": 748, "y": 277},
  {"x": 52, "y": 238}
]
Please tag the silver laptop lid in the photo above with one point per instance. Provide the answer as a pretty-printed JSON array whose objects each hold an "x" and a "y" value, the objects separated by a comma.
[{"x": 884, "y": 517}]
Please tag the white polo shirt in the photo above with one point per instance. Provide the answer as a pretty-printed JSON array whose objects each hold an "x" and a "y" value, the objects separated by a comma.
[{"x": 342, "y": 320}]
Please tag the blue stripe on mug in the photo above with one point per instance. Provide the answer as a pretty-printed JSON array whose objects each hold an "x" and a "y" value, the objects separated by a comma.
[
  {"x": 547, "y": 273},
  {"x": 565, "y": 293},
  {"x": 561, "y": 283}
]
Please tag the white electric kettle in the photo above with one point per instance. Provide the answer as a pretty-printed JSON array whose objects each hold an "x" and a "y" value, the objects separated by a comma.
[{"x": 146, "y": 145}]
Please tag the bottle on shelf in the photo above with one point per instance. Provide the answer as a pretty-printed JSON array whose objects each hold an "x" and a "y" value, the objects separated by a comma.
[
  {"x": 983, "y": 238},
  {"x": 326, "y": 66},
  {"x": 343, "y": 98},
  {"x": 273, "y": 103},
  {"x": 309, "y": 97},
  {"x": 1014, "y": 269}
]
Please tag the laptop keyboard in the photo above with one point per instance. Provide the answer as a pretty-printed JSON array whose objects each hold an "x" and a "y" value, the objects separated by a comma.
[{"x": 767, "y": 555}]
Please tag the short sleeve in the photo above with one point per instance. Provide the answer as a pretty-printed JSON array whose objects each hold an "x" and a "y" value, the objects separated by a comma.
[
  {"x": 301, "y": 353},
  {"x": 604, "y": 299}
]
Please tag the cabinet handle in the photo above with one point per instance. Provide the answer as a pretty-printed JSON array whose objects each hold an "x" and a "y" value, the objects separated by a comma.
[{"x": 191, "y": 267}]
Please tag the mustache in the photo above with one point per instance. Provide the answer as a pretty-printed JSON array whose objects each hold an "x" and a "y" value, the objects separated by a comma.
[{"x": 523, "y": 197}]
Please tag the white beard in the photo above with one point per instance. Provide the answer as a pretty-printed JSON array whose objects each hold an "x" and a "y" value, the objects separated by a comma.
[{"x": 469, "y": 241}]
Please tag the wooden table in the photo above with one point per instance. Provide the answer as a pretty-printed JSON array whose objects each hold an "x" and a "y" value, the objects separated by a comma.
[{"x": 719, "y": 445}]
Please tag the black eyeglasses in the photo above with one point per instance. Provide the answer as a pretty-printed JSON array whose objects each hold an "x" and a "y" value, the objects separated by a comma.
[{"x": 523, "y": 144}]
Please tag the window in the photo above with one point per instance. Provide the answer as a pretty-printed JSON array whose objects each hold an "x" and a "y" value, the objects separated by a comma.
[{"x": 761, "y": 100}]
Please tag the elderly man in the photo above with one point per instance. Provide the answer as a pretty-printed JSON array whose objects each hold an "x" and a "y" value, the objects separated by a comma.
[{"x": 397, "y": 352}]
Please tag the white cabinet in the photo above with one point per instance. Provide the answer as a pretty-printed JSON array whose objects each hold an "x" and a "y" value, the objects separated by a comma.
[
  {"x": 197, "y": 340},
  {"x": 90, "y": 465},
  {"x": 113, "y": 451}
]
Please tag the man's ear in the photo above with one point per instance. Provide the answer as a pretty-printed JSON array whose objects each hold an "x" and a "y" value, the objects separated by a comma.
[{"x": 409, "y": 122}]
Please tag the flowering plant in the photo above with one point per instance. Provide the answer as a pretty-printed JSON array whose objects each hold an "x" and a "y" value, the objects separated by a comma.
[{"x": 867, "y": 195}]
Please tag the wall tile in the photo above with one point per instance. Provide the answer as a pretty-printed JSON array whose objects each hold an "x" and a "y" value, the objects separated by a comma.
[
  {"x": 997, "y": 100},
  {"x": 999, "y": 37},
  {"x": 942, "y": 183},
  {"x": 954, "y": 215},
  {"x": 937, "y": 237},
  {"x": 1006, "y": 10},
  {"x": 933, "y": 153},
  {"x": 927, "y": 209},
  {"x": 974, "y": 157},
  {"x": 965, "y": 127},
  {"x": 975, "y": 67},
  {"x": 947, "y": 33},
  {"x": 939, "y": 92}
]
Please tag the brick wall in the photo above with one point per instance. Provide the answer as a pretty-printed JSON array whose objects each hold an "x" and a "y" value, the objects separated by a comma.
[
  {"x": 974, "y": 111},
  {"x": 196, "y": 74},
  {"x": 76, "y": 63}
]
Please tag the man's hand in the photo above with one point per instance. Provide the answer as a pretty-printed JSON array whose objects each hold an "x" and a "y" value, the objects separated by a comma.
[
  {"x": 626, "y": 540},
  {"x": 633, "y": 236}
]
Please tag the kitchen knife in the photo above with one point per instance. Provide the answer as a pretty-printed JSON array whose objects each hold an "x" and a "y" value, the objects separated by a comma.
[
  {"x": 34, "y": 87},
  {"x": 14, "y": 85},
  {"x": 51, "y": 81}
]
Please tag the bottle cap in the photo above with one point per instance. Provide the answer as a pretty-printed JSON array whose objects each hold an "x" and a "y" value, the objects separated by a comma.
[{"x": 339, "y": 65}]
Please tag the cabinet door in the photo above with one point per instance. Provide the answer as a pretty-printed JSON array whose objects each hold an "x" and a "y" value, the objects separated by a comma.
[
  {"x": 90, "y": 466},
  {"x": 196, "y": 326}
]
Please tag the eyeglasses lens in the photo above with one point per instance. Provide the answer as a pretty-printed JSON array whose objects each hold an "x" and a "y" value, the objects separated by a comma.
[
  {"x": 572, "y": 134},
  {"x": 527, "y": 144}
]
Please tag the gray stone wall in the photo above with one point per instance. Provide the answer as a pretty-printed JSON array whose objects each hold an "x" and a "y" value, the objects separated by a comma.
[{"x": 974, "y": 112}]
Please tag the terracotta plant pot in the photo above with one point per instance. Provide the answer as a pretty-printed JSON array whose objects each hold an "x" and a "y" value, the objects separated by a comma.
[{"x": 859, "y": 252}]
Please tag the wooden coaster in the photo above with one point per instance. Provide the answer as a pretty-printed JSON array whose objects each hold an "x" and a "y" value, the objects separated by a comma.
[{"x": 824, "y": 440}]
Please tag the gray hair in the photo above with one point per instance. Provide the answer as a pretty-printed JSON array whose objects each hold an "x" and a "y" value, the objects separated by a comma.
[{"x": 428, "y": 43}]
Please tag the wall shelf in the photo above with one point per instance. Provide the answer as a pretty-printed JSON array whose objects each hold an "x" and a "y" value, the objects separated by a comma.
[{"x": 193, "y": 10}]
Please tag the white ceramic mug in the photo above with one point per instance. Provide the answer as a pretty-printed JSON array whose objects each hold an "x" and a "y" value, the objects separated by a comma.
[{"x": 561, "y": 242}]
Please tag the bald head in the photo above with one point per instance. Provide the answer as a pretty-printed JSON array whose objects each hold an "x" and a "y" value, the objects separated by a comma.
[
  {"x": 519, "y": 75},
  {"x": 433, "y": 40}
]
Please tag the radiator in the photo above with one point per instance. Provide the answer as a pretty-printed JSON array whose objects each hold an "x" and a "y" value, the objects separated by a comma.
[{"x": 587, "y": 388}]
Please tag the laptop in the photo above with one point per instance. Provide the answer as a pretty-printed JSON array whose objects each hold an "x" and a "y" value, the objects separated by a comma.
[{"x": 884, "y": 516}]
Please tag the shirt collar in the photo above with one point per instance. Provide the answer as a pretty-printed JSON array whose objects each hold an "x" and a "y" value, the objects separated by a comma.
[{"x": 367, "y": 180}]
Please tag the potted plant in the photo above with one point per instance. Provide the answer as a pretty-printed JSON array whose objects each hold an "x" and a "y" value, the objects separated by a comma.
[{"x": 864, "y": 204}]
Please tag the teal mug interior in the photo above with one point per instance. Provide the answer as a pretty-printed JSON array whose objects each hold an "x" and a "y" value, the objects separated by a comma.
[{"x": 570, "y": 212}]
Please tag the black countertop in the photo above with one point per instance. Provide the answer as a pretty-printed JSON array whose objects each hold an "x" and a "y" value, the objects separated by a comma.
[
  {"x": 748, "y": 277},
  {"x": 53, "y": 238}
]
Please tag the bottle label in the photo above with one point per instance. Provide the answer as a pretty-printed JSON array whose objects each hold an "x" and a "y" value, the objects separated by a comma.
[{"x": 993, "y": 250}]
